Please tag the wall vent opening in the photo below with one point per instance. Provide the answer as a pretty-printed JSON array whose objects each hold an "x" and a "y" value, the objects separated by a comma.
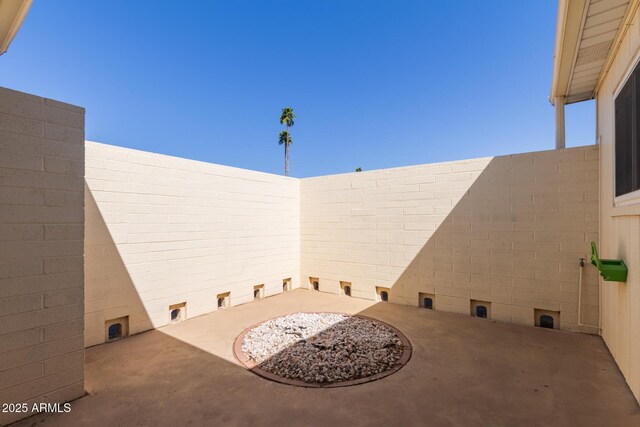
[
  {"x": 258, "y": 292},
  {"x": 382, "y": 294},
  {"x": 547, "y": 318},
  {"x": 481, "y": 309},
  {"x": 286, "y": 285},
  {"x": 116, "y": 328},
  {"x": 315, "y": 283},
  {"x": 224, "y": 300},
  {"x": 546, "y": 321},
  {"x": 115, "y": 331},
  {"x": 345, "y": 288},
  {"x": 426, "y": 300},
  {"x": 178, "y": 312}
]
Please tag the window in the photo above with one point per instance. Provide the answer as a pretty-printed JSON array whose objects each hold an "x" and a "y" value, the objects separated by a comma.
[{"x": 627, "y": 136}]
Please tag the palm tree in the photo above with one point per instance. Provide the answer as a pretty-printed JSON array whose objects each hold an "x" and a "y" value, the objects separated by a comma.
[
  {"x": 286, "y": 118},
  {"x": 285, "y": 138}
]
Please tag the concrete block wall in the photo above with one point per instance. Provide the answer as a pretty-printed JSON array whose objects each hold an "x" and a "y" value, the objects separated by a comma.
[
  {"x": 163, "y": 231},
  {"x": 507, "y": 230},
  {"x": 41, "y": 251}
]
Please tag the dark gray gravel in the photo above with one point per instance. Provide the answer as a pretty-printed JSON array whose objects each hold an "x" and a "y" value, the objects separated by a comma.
[{"x": 323, "y": 347}]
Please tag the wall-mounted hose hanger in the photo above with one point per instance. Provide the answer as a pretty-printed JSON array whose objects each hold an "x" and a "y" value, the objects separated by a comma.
[{"x": 611, "y": 270}]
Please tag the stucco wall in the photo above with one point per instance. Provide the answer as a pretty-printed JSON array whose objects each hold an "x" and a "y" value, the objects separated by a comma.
[
  {"x": 507, "y": 230},
  {"x": 620, "y": 226},
  {"x": 163, "y": 230},
  {"x": 41, "y": 263}
]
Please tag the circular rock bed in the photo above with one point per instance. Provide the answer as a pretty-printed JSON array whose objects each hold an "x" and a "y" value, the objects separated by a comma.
[{"x": 323, "y": 349}]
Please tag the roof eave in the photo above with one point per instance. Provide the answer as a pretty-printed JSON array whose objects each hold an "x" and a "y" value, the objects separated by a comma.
[
  {"x": 12, "y": 14},
  {"x": 568, "y": 30}
]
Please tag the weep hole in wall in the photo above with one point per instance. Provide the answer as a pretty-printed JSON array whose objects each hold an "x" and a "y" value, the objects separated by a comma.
[
  {"x": 382, "y": 294},
  {"x": 314, "y": 283},
  {"x": 345, "y": 288},
  {"x": 116, "y": 328},
  {"x": 481, "y": 309},
  {"x": 178, "y": 312},
  {"x": 547, "y": 319},
  {"x": 224, "y": 300},
  {"x": 286, "y": 285},
  {"x": 258, "y": 292},
  {"x": 427, "y": 301}
]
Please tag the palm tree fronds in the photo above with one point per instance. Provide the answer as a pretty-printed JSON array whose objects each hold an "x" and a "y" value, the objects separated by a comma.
[
  {"x": 287, "y": 116},
  {"x": 284, "y": 138}
]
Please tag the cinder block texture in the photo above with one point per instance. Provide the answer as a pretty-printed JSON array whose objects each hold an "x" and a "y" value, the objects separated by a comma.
[
  {"x": 508, "y": 230},
  {"x": 41, "y": 250},
  {"x": 163, "y": 230}
]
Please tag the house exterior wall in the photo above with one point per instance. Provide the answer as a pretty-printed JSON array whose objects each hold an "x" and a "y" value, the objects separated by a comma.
[
  {"x": 620, "y": 226},
  {"x": 505, "y": 230},
  {"x": 163, "y": 230},
  {"x": 41, "y": 251}
]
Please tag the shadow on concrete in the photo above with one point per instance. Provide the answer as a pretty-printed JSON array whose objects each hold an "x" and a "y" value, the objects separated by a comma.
[
  {"x": 463, "y": 371},
  {"x": 111, "y": 293}
]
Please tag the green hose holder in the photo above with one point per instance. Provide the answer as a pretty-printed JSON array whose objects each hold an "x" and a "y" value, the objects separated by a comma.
[{"x": 611, "y": 270}]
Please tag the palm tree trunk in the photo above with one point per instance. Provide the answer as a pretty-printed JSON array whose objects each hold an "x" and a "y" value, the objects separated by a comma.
[
  {"x": 286, "y": 154},
  {"x": 286, "y": 159}
]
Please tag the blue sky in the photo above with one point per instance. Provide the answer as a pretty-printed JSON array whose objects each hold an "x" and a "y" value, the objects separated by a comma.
[{"x": 374, "y": 84}]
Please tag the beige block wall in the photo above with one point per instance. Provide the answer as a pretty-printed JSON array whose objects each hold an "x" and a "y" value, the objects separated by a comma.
[
  {"x": 41, "y": 262},
  {"x": 508, "y": 230},
  {"x": 620, "y": 226},
  {"x": 162, "y": 230}
]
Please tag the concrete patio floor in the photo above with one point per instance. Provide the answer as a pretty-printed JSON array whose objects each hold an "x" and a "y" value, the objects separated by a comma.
[{"x": 464, "y": 371}]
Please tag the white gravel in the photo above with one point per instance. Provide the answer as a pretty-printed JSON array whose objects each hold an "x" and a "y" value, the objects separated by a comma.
[{"x": 323, "y": 347}]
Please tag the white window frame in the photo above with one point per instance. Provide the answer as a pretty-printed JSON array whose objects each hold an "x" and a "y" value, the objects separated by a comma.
[{"x": 633, "y": 198}]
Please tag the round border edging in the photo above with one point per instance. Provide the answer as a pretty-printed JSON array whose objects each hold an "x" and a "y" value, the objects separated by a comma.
[{"x": 407, "y": 350}]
